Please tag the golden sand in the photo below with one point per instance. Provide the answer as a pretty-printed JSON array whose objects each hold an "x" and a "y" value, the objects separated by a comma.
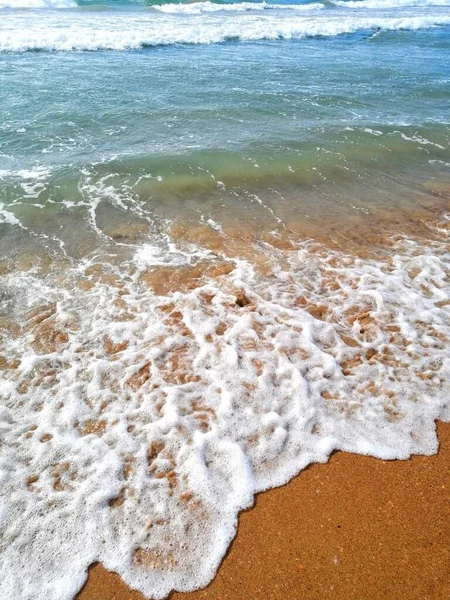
[{"x": 356, "y": 528}]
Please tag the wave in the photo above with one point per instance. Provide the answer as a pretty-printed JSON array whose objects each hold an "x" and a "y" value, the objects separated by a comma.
[
  {"x": 388, "y": 4},
  {"x": 144, "y": 405},
  {"x": 186, "y": 6},
  {"x": 37, "y": 4},
  {"x": 191, "y": 7},
  {"x": 207, "y": 7},
  {"x": 128, "y": 33}
]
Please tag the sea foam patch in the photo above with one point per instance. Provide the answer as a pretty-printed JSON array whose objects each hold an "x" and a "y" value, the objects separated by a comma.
[
  {"x": 37, "y": 4},
  {"x": 206, "y": 7},
  {"x": 143, "y": 405}
]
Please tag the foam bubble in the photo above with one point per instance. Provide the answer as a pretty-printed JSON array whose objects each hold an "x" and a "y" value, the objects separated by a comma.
[{"x": 145, "y": 403}]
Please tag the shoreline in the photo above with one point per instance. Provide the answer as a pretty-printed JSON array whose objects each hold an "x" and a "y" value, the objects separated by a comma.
[
  {"x": 224, "y": 264},
  {"x": 355, "y": 527}
]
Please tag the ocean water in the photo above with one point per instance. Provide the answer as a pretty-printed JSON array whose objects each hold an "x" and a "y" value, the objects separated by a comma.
[{"x": 224, "y": 253}]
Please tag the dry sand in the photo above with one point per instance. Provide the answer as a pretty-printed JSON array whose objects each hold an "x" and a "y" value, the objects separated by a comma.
[{"x": 355, "y": 528}]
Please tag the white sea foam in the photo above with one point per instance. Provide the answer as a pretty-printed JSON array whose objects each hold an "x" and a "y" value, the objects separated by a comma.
[
  {"x": 418, "y": 139},
  {"x": 208, "y": 7},
  {"x": 389, "y": 4},
  {"x": 135, "y": 424},
  {"x": 71, "y": 32},
  {"x": 36, "y": 173},
  {"x": 32, "y": 181},
  {"x": 6, "y": 216},
  {"x": 34, "y": 4}
]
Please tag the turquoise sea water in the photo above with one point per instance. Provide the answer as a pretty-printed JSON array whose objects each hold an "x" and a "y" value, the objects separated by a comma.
[
  {"x": 223, "y": 255},
  {"x": 165, "y": 101}
]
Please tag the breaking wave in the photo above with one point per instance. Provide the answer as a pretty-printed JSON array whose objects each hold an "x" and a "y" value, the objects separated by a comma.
[
  {"x": 140, "y": 31},
  {"x": 208, "y": 7},
  {"x": 190, "y": 7}
]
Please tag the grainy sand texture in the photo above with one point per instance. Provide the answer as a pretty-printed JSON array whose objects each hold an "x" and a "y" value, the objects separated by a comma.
[{"x": 356, "y": 528}]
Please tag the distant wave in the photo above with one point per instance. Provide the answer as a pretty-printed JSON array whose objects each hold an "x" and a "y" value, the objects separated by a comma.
[
  {"x": 123, "y": 32},
  {"x": 389, "y": 3},
  {"x": 37, "y": 4},
  {"x": 208, "y": 7},
  {"x": 189, "y": 7}
]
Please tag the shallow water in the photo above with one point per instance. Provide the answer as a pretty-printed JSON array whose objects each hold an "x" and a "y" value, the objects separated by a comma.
[{"x": 224, "y": 253}]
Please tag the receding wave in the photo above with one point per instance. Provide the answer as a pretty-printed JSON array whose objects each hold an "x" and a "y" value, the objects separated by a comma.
[
  {"x": 145, "y": 403},
  {"x": 139, "y": 32}
]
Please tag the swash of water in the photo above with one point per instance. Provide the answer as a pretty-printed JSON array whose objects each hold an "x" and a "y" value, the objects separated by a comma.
[{"x": 224, "y": 253}]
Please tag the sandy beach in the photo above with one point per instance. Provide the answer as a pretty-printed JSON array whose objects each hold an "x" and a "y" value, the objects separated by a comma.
[
  {"x": 224, "y": 300},
  {"x": 354, "y": 528}
]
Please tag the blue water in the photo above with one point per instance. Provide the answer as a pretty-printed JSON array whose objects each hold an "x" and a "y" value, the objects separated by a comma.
[{"x": 301, "y": 93}]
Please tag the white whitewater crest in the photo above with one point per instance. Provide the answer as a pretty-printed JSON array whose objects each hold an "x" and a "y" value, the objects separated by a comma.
[
  {"x": 208, "y": 7},
  {"x": 35, "y": 4},
  {"x": 74, "y": 32},
  {"x": 203, "y": 23},
  {"x": 387, "y": 4},
  {"x": 138, "y": 420}
]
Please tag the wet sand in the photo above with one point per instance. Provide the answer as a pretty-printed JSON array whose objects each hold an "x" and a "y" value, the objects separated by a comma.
[{"x": 355, "y": 528}]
